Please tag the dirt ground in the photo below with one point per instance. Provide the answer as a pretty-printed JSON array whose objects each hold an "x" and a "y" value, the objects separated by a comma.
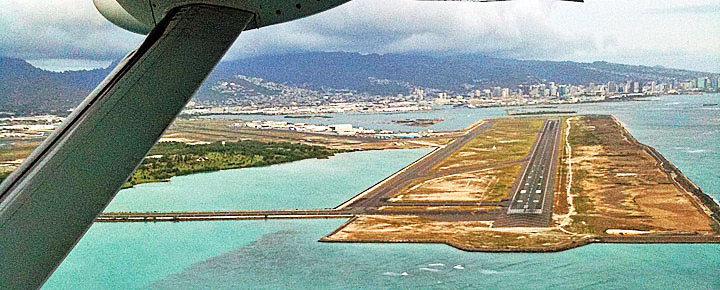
[
  {"x": 617, "y": 185},
  {"x": 439, "y": 208},
  {"x": 469, "y": 236},
  {"x": 487, "y": 185}
]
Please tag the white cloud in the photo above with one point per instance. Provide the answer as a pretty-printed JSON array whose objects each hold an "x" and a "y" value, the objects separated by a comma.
[{"x": 645, "y": 31}]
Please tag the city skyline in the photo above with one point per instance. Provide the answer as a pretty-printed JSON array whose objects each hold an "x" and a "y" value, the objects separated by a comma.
[{"x": 677, "y": 34}]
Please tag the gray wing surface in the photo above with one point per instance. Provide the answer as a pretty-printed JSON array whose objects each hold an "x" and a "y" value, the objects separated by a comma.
[{"x": 48, "y": 203}]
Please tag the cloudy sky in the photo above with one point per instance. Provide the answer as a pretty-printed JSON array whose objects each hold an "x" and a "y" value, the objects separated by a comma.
[{"x": 67, "y": 34}]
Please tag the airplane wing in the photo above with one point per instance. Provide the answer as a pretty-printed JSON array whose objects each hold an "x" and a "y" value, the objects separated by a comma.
[
  {"x": 52, "y": 199},
  {"x": 48, "y": 203}
]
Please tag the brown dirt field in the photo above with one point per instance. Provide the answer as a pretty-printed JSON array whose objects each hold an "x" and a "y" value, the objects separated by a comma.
[
  {"x": 469, "y": 186},
  {"x": 488, "y": 185},
  {"x": 437, "y": 208},
  {"x": 469, "y": 236},
  {"x": 620, "y": 186}
]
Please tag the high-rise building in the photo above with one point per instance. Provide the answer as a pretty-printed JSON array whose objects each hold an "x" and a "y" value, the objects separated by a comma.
[
  {"x": 562, "y": 90},
  {"x": 496, "y": 92},
  {"x": 612, "y": 87}
]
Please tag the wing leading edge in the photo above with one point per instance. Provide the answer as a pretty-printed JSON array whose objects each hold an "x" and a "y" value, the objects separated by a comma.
[{"x": 48, "y": 203}]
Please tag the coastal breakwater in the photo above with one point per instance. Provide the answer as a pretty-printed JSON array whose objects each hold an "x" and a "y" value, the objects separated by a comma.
[{"x": 685, "y": 183}]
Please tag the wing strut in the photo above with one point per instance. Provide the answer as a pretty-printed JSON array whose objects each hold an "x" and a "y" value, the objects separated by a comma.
[{"x": 48, "y": 203}]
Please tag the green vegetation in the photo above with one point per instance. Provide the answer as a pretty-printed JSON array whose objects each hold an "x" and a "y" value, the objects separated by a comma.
[
  {"x": 501, "y": 191},
  {"x": 509, "y": 139},
  {"x": 581, "y": 135},
  {"x": 171, "y": 159},
  {"x": 19, "y": 150}
]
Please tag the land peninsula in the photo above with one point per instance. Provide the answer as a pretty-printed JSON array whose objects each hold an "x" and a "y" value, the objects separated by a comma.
[
  {"x": 170, "y": 159},
  {"x": 607, "y": 188},
  {"x": 519, "y": 184}
]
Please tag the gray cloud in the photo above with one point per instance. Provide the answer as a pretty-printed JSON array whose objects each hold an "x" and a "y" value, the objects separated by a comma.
[
  {"x": 526, "y": 29},
  {"x": 60, "y": 29},
  {"x": 512, "y": 29}
]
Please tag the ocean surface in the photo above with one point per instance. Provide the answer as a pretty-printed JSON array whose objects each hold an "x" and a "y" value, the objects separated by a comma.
[
  {"x": 305, "y": 184},
  {"x": 286, "y": 255}
]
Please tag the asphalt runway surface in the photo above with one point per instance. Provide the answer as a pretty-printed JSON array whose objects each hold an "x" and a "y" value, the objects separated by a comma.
[
  {"x": 378, "y": 195},
  {"x": 538, "y": 179},
  {"x": 535, "y": 185}
]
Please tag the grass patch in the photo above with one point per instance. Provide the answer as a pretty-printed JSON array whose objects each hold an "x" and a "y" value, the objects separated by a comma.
[
  {"x": 18, "y": 151},
  {"x": 581, "y": 135},
  {"x": 508, "y": 174},
  {"x": 512, "y": 139},
  {"x": 171, "y": 159}
]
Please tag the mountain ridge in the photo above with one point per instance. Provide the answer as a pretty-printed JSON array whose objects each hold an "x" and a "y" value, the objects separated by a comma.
[
  {"x": 26, "y": 89},
  {"x": 344, "y": 70}
]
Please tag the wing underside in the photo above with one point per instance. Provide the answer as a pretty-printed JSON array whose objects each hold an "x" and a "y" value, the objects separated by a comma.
[{"x": 48, "y": 203}]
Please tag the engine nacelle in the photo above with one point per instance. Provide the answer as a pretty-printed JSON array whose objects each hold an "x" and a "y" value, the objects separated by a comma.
[{"x": 140, "y": 16}]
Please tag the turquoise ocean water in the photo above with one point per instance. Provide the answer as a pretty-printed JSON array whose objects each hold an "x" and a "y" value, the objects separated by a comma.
[
  {"x": 305, "y": 184},
  {"x": 286, "y": 254}
]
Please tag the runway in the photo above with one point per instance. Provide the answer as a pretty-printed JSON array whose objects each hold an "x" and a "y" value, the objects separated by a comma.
[
  {"x": 377, "y": 195},
  {"x": 529, "y": 202},
  {"x": 533, "y": 193}
]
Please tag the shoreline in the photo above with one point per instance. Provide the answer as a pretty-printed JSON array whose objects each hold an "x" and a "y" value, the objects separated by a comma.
[
  {"x": 711, "y": 207},
  {"x": 563, "y": 241},
  {"x": 660, "y": 239},
  {"x": 702, "y": 202}
]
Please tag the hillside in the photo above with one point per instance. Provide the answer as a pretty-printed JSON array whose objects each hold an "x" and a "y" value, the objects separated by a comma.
[
  {"x": 26, "y": 89},
  {"x": 360, "y": 72}
]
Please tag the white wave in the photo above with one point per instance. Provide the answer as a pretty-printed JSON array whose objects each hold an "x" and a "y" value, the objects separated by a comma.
[
  {"x": 430, "y": 269},
  {"x": 437, "y": 265},
  {"x": 403, "y": 274},
  {"x": 489, "y": 272},
  {"x": 459, "y": 267},
  {"x": 391, "y": 274},
  {"x": 696, "y": 151}
]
